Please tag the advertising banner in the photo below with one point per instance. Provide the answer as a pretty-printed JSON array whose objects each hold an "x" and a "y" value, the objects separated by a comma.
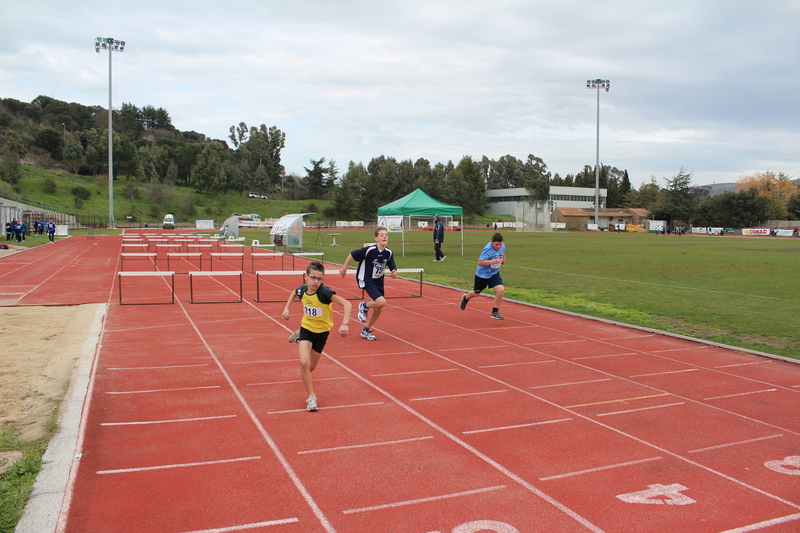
[{"x": 394, "y": 224}]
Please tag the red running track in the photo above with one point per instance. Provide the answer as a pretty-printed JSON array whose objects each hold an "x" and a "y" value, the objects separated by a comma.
[{"x": 451, "y": 422}]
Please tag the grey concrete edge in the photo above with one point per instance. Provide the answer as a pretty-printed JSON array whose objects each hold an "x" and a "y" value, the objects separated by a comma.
[{"x": 43, "y": 509}]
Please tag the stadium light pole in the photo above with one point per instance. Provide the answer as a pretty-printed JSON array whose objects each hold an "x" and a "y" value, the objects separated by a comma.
[
  {"x": 112, "y": 45},
  {"x": 597, "y": 84}
]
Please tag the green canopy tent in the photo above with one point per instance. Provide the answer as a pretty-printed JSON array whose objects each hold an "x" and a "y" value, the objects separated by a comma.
[{"x": 419, "y": 204}]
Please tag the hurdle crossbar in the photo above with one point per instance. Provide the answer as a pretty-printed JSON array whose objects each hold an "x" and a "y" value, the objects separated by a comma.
[
  {"x": 224, "y": 255},
  {"x": 192, "y": 275},
  {"x": 321, "y": 255},
  {"x": 162, "y": 275},
  {"x": 275, "y": 273},
  {"x": 123, "y": 256},
  {"x": 192, "y": 255},
  {"x": 253, "y": 257}
]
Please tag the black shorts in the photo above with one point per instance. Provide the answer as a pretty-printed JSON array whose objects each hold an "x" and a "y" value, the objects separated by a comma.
[
  {"x": 317, "y": 340},
  {"x": 482, "y": 283}
]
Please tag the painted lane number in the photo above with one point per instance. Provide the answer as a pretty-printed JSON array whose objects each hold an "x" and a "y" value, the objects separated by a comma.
[
  {"x": 658, "y": 494},
  {"x": 790, "y": 465},
  {"x": 483, "y": 525}
]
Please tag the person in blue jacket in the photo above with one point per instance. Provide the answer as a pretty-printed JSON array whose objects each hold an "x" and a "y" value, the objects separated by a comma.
[
  {"x": 487, "y": 274},
  {"x": 438, "y": 239},
  {"x": 51, "y": 231}
]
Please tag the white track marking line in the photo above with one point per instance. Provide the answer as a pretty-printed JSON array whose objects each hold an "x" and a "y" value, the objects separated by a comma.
[
  {"x": 148, "y": 422},
  {"x": 423, "y": 500},
  {"x": 599, "y": 468},
  {"x": 415, "y": 372},
  {"x": 601, "y": 356},
  {"x": 177, "y": 465},
  {"x": 735, "y": 443},
  {"x": 371, "y": 444},
  {"x": 764, "y": 524},
  {"x": 664, "y": 373},
  {"x": 293, "y": 381},
  {"x": 376, "y": 354},
  {"x": 739, "y": 394},
  {"x": 516, "y": 426},
  {"x": 745, "y": 364},
  {"x": 571, "y": 383},
  {"x": 325, "y": 407},
  {"x": 518, "y": 364},
  {"x": 153, "y": 367},
  {"x": 246, "y": 526},
  {"x": 456, "y": 395},
  {"x": 640, "y": 409},
  {"x": 163, "y": 390}
]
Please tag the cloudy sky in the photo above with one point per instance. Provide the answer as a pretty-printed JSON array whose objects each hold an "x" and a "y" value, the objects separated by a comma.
[{"x": 708, "y": 85}]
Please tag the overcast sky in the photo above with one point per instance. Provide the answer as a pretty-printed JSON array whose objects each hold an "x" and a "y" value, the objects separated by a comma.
[{"x": 708, "y": 85}]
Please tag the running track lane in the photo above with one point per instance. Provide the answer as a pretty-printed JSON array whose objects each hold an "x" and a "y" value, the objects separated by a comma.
[{"x": 450, "y": 422}]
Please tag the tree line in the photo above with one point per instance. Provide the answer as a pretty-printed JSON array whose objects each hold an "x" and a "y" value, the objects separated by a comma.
[{"x": 148, "y": 148}]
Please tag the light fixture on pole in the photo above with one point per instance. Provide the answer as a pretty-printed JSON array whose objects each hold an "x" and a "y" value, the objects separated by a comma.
[
  {"x": 597, "y": 84},
  {"x": 112, "y": 45}
]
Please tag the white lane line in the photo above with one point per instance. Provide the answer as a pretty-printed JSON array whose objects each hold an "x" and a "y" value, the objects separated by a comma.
[
  {"x": 354, "y": 446},
  {"x": 468, "y": 348},
  {"x": 665, "y": 373},
  {"x": 146, "y": 422},
  {"x": 293, "y": 381},
  {"x": 154, "y": 367},
  {"x": 764, "y": 524},
  {"x": 456, "y": 395},
  {"x": 735, "y": 443},
  {"x": 375, "y": 354},
  {"x": 325, "y": 407},
  {"x": 745, "y": 364},
  {"x": 518, "y": 364},
  {"x": 416, "y": 372},
  {"x": 571, "y": 383},
  {"x": 602, "y": 356},
  {"x": 740, "y": 394},
  {"x": 423, "y": 500},
  {"x": 177, "y": 465},
  {"x": 246, "y": 526},
  {"x": 551, "y": 342},
  {"x": 599, "y": 468},
  {"x": 640, "y": 409},
  {"x": 162, "y": 390},
  {"x": 516, "y": 426},
  {"x": 263, "y": 362}
]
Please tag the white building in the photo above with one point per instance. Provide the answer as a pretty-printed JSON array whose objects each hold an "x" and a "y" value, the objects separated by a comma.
[{"x": 516, "y": 202}]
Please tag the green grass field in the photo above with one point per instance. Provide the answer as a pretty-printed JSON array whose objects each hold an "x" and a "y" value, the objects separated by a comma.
[{"x": 739, "y": 291}]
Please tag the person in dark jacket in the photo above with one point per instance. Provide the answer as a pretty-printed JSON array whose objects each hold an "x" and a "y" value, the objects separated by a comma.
[{"x": 438, "y": 239}]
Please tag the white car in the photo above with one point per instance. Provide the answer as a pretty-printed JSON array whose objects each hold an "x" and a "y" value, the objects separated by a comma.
[{"x": 256, "y": 195}]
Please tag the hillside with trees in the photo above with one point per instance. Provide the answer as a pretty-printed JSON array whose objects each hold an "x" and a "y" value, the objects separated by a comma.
[{"x": 152, "y": 157}]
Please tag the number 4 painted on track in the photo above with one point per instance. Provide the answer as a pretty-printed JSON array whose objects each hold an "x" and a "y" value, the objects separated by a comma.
[
  {"x": 790, "y": 465},
  {"x": 658, "y": 494}
]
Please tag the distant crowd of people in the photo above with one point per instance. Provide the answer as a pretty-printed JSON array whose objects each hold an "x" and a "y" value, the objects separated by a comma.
[{"x": 16, "y": 230}]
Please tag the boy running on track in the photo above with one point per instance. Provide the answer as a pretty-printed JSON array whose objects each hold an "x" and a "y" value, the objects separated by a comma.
[
  {"x": 316, "y": 324},
  {"x": 372, "y": 263},
  {"x": 488, "y": 274}
]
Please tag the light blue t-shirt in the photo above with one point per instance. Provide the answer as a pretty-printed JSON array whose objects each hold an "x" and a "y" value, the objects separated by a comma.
[{"x": 487, "y": 254}]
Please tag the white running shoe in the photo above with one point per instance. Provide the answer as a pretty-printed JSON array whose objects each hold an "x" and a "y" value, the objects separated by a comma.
[
  {"x": 362, "y": 311},
  {"x": 295, "y": 337},
  {"x": 311, "y": 403},
  {"x": 366, "y": 333}
]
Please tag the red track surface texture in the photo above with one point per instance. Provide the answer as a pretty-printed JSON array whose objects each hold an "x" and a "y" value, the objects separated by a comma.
[{"x": 451, "y": 422}]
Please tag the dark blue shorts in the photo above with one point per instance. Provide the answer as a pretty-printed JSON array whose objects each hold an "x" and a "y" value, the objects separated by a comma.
[
  {"x": 482, "y": 283},
  {"x": 317, "y": 340},
  {"x": 374, "y": 291}
]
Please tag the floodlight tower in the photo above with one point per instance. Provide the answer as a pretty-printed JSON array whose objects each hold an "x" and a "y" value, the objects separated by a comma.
[
  {"x": 112, "y": 45},
  {"x": 597, "y": 84}
]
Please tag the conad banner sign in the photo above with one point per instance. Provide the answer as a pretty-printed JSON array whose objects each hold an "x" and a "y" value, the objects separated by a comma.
[
  {"x": 394, "y": 224},
  {"x": 755, "y": 231}
]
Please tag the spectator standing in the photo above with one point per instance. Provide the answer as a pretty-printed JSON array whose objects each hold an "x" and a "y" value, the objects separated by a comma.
[{"x": 438, "y": 239}]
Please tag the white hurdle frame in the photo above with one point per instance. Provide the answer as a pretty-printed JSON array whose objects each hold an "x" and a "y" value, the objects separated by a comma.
[
  {"x": 214, "y": 274},
  {"x": 195, "y": 255},
  {"x": 137, "y": 254},
  {"x": 255, "y": 255},
  {"x": 300, "y": 273},
  {"x": 161, "y": 274},
  {"x": 222, "y": 255}
]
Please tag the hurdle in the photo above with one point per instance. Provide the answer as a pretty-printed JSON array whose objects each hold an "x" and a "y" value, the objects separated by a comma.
[
  {"x": 161, "y": 275},
  {"x": 257, "y": 244},
  {"x": 123, "y": 256},
  {"x": 253, "y": 257},
  {"x": 230, "y": 247},
  {"x": 321, "y": 255},
  {"x": 130, "y": 247},
  {"x": 274, "y": 273},
  {"x": 196, "y": 255},
  {"x": 200, "y": 248},
  {"x": 209, "y": 274},
  {"x": 223, "y": 255},
  {"x": 168, "y": 247}
]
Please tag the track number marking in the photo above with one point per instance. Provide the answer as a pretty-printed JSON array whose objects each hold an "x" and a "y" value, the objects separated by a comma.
[
  {"x": 658, "y": 494},
  {"x": 483, "y": 525},
  {"x": 790, "y": 465}
]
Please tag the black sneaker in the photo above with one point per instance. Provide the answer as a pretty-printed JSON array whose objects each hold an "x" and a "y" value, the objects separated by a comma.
[
  {"x": 463, "y": 301},
  {"x": 496, "y": 315}
]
